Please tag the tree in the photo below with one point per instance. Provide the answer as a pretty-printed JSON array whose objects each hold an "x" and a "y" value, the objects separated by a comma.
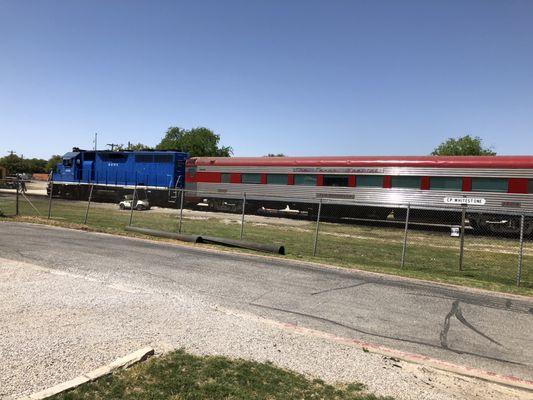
[
  {"x": 18, "y": 165},
  {"x": 137, "y": 147},
  {"x": 131, "y": 146},
  {"x": 55, "y": 159},
  {"x": 13, "y": 164},
  {"x": 463, "y": 146},
  {"x": 198, "y": 142}
]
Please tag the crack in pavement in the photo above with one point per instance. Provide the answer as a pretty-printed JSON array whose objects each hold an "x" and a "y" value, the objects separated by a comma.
[
  {"x": 458, "y": 313},
  {"x": 339, "y": 288},
  {"x": 507, "y": 305},
  {"x": 419, "y": 342}
]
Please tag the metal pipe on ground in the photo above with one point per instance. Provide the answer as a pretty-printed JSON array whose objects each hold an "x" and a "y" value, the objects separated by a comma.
[
  {"x": 267, "y": 248},
  {"x": 244, "y": 244},
  {"x": 169, "y": 235}
]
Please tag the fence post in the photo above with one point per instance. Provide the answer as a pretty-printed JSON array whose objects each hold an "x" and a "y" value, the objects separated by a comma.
[
  {"x": 89, "y": 205},
  {"x": 50, "y": 200},
  {"x": 462, "y": 249},
  {"x": 521, "y": 251},
  {"x": 133, "y": 204},
  {"x": 17, "y": 184},
  {"x": 404, "y": 248},
  {"x": 181, "y": 209},
  {"x": 317, "y": 227},
  {"x": 243, "y": 212}
]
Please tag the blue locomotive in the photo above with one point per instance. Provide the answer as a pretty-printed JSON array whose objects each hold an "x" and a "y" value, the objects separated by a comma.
[{"x": 113, "y": 174}]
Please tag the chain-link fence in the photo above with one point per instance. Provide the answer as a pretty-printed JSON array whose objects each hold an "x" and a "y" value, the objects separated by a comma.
[
  {"x": 8, "y": 201},
  {"x": 453, "y": 244}
]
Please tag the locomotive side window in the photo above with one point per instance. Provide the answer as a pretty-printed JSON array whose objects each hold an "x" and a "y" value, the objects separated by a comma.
[
  {"x": 277, "y": 179},
  {"x": 335, "y": 180},
  {"x": 530, "y": 186},
  {"x": 445, "y": 183},
  {"x": 113, "y": 157},
  {"x": 406, "y": 182},
  {"x": 163, "y": 158},
  {"x": 225, "y": 178},
  {"x": 251, "y": 178},
  {"x": 305, "y": 180},
  {"x": 144, "y": 157},
  {"x": 369, "y": 180},
  {"x": 490, "y": 185}
]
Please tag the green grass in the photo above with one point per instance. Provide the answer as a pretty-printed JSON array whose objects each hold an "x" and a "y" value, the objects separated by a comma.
[
  {"x": 489, "y": 262},
  {"x": 180, "y": 375}
]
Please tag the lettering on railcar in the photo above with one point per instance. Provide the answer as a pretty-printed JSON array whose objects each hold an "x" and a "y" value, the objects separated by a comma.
[
  {"x": 340, "y": 170},
  {"x": 335, "y": 196},
  {"x": 474, "y": 201},
  {"x": 511, "y": 204}
]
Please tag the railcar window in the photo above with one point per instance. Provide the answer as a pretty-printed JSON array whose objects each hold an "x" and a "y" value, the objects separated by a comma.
[
  {"x": 490, "y": 184},
  {"x": 251, "y": 178},
  {"x": 335, "y": 180},
  {"x": 115, "y": 157},
  {"x": 144, "y": 158},
  {"x": 369, "y": 180},
  {"x": 530, "y": 186},
  {"x": 67, "y": 162},
  {"x": 445, "y": 183},
  {"x": 163, "y": 158},
  {"x": 225, "y": 178},
  {"x": 405, "y": 182},
  {"x": 277, "y": 179},
  {"x": 305, "y": 180}
]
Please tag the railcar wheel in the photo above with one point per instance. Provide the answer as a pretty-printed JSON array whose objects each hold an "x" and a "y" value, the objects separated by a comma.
[
  {"x": 528, "y": 227},
  {"x": 476, "y": 225}
]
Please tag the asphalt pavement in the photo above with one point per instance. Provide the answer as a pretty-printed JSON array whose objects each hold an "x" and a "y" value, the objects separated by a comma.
[{"x": 477, "y": 329}]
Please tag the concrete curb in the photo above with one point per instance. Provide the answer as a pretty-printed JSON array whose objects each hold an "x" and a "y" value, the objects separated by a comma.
[
  {"x": 414, "y": 358},
  {"x": 123, "y": 362}
]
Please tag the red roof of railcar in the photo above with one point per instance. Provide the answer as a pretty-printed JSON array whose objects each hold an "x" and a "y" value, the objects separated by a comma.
[{"x": 368, "y": 161}]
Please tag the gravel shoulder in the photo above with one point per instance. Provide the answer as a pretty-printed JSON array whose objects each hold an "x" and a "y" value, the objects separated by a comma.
[{"x": 57, "y": 324}]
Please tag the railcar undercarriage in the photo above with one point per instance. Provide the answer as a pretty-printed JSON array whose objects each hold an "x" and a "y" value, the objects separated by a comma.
[
  {"x": 482, "y": 223},
  {"x": 500, "y": 224}
]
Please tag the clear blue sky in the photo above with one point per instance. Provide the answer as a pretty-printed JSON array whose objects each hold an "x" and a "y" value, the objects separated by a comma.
[{"x": 298, "y": 77}]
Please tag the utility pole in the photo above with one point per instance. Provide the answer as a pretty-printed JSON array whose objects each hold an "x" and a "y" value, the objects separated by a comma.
[
  {"x": 95, "y": 141},
  {"x": 11, "y": 152},
  {"x": 113, "y": 145}
]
